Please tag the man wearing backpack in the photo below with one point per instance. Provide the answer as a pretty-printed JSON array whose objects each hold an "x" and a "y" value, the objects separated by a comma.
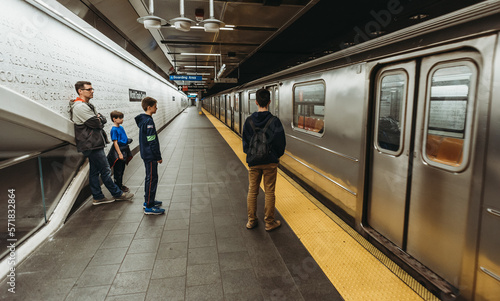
[{"x": 264, "y": 143}]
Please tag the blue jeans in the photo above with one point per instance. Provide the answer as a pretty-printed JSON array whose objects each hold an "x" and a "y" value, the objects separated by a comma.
[{"x": 99, "y": 166}]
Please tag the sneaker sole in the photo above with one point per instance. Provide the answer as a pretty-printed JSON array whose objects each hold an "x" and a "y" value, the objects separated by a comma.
[
  {"x": 157, "y": 206},
  {"x": 154, "y": 213},
  {"x": 255, "y": 226},
  {"x": 269, "y": 230},
  {"x": 124, "y": 199},
  {"x": 100, "y": 203}
]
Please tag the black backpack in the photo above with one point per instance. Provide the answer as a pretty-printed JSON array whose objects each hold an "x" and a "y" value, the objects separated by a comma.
[{"x": 259, "y": 148}]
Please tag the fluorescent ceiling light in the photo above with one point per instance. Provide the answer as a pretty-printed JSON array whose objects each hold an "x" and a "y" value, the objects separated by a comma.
[
  {"x": 20, "y": 158},
  {"x": 222, "y": 28},
  {"x": 213, "y": 54},
  {"x": 201, "y": 67},
  {"x": 198, "y": 73}
]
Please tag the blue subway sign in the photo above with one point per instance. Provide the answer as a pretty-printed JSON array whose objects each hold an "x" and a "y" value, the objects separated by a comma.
[{"x": 186, "y": 77}]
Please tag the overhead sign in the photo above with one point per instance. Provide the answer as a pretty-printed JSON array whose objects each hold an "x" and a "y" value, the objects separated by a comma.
[
  {"x": 135, "y": 95},
  {"x": 226, "y": 80},
  {"x": 186, "y": 77}
]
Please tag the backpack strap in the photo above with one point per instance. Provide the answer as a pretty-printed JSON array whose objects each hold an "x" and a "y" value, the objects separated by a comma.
[
  {"x": 269, "y": 123},
  {"x": 250, "y": 120}
]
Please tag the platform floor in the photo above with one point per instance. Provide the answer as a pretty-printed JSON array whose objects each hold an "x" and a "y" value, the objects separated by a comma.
[{"x": 199, "y": 250}]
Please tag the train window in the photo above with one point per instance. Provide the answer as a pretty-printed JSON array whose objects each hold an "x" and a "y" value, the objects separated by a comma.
[
  {"x": 449, "y": 113},
  {"x": 252, "y": 107},
  {"x": 390, "y": 111},
  {"x": 309, "y": 107}
]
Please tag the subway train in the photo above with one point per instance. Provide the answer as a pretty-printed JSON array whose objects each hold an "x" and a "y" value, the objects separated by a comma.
[{"x": 400, "y": 136}]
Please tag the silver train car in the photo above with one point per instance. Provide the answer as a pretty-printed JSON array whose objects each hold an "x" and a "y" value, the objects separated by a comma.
[{"x": 400, "y": 136}]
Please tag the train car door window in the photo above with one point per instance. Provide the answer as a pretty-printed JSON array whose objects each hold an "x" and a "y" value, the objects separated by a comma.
[
  {"x": 274, "y": 106},
  {"x": 449, "y": 109},
  {"x": 252, "y": 107},
  {"x": 309, "y": 107},
  {"x": 391, "y": 102}
]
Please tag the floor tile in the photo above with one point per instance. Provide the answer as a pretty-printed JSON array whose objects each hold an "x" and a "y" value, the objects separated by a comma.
[
  {"x": 166, "y": 289},
  {"x": 138, "y": 262},
  {"x": 170, "y": 267},
  {"x": 202, "y": 274},
  {"x": 98, "y": 275},
  {"x": 130, "y": 283}
]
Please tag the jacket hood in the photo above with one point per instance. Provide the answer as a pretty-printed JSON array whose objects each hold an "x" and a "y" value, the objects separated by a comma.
[
  {"x": 141, "y": 119},
  {"x": 260, "y": 118},
  {"x": 73, "y": 103}
]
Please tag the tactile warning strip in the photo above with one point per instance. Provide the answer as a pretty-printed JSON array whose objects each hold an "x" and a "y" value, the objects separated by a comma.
[{"x": 356, "y": 268}]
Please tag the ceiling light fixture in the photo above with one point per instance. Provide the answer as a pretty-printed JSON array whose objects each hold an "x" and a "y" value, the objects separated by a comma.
[
  {"x": 201, "y": 67},
  {"x": 222, "y": 69},
  {"x": 206, "y": 54},
  {"x": 221, "y": 28},
  {"x": 211, "y": 24},
  {"x": 182, "y": 23},
  {"x": 151, "y": 21}
]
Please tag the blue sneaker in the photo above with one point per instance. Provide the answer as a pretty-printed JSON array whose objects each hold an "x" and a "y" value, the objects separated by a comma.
[
  {"x": 154, "y": 210},
  {"x": 157, "y": 204}
]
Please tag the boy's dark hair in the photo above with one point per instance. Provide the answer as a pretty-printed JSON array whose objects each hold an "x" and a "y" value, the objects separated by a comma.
[
  {"x": 116, "y": 114},
  {"x": 148, "y": 102},
  {"x": 81, "y": 84},
  {"x": 263, "y": 97}
]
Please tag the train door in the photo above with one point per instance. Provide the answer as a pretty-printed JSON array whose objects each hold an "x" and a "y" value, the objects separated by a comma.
[
  {"x": 274, "y": 106},
  {"x": 421, "y": 170},
  {"x": 252, "y": 106},
  {"x": 229, "y": 115},
  {"x": 231, "y": 99},
  {"x": 391, "y": 149},
  {"x": 237, "y": 113},
  {"x": 223, "y": 108}
]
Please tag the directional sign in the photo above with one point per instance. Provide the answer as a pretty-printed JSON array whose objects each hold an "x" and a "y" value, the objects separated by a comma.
[{"x": 186, "y": 77}]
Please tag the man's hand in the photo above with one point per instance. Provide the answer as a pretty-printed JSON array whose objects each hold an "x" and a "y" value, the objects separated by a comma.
[{"x": 160, "y": 161}]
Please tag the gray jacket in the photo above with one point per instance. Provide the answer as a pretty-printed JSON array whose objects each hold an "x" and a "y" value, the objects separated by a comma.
[{"x": 89, "y": 133}]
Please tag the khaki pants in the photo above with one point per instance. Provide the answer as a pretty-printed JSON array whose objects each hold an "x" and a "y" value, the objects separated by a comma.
[{"x": 255, "y": 173}]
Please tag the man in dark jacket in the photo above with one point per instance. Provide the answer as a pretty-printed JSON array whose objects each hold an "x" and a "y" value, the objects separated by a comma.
[
  {"x": 150, "y": 154},
  {"x": 91, "y": 140},
  {"x": 266, "y": 167}
]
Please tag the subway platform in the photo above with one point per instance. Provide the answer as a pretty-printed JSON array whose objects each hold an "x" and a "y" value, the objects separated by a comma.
[{"x": 200, "y": 249}]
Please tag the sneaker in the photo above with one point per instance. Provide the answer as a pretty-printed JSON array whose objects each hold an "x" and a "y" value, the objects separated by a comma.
[
  {"x": 125, "y": 188},
  {"x": 157, "y": 204},
  {"x": 273, "y": 225},
  {"x": 102, "y": 201},
  {"x": 252, "y": 224},
  {"x": 126, "y": 196},
  {"x": 154, "y": 210}
]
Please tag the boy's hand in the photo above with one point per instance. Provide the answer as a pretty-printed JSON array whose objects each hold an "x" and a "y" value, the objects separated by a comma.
[
  {"x": 159, "y": 162},
  {"x": 120, "y": 156}
]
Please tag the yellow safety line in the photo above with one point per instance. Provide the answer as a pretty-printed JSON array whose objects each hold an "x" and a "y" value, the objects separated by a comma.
[{"x": 352, "y": 264}]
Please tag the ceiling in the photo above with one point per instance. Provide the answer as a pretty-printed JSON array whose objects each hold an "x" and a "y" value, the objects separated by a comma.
[{"x": 260, "y": 37}]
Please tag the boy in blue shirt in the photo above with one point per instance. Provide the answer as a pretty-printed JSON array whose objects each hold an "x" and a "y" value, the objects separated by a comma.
[
  {"x": 120, "y": 154},
  {"x": 150, "y": 154}
]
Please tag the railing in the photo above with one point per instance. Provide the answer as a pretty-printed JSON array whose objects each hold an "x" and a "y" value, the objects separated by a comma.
[{"x": 30, "y": 188}]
